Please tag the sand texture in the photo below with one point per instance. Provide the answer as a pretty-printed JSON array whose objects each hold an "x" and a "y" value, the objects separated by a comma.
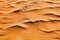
[{"x": 29, "y": 19}]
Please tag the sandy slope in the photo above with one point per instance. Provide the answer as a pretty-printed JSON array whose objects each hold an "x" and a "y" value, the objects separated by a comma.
[{"x": 29, "y": 19}]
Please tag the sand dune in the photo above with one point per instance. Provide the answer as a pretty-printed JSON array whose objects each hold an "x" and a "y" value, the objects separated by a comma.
[{"x": 29, "y": 19}]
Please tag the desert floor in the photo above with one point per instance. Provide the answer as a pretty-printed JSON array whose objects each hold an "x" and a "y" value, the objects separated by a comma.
[{"x": 29, "y": 19}]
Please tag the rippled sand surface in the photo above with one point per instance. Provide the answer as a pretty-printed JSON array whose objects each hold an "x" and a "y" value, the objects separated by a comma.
[{"x": 29, "y": 19}]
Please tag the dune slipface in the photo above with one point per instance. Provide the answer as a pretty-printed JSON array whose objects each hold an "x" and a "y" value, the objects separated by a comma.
[{"x": 29, "y": 19}]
